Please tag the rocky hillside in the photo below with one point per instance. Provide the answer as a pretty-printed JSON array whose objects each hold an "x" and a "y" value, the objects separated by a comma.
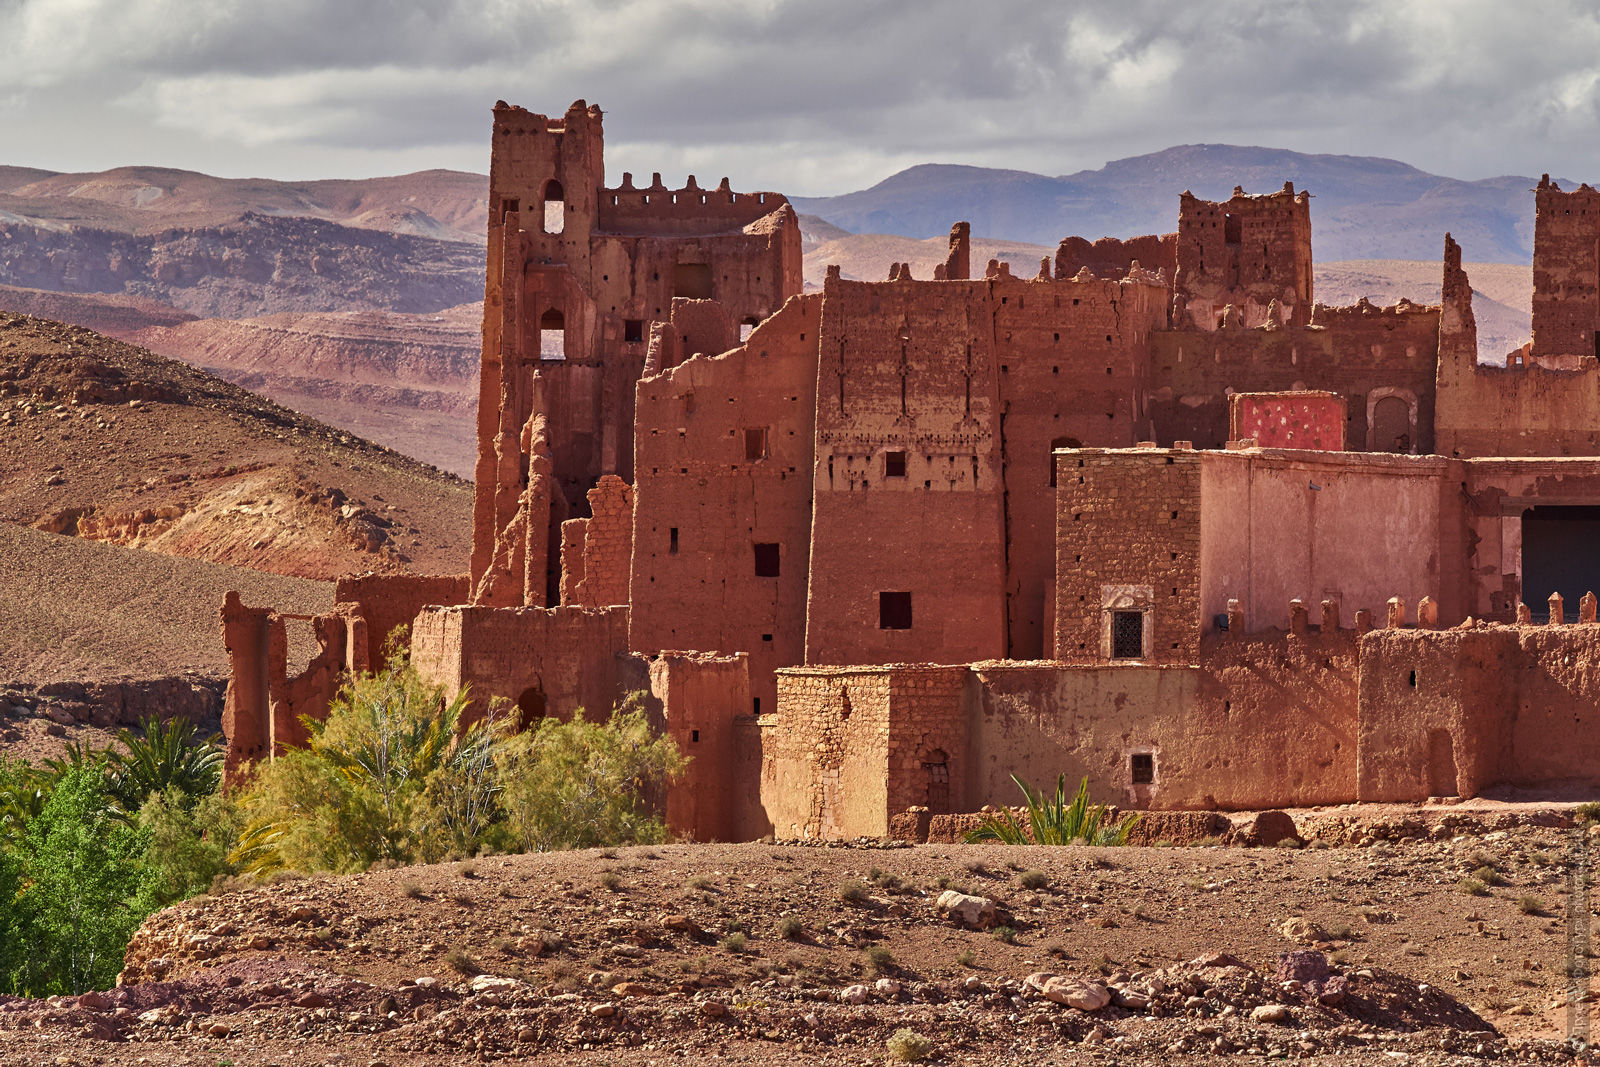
[
  {"x": 257, "y": 264},
  {"x": 782, "y": 954},
  {"x": 108, "y": 442},
  {"x": 406, "y": 381}
]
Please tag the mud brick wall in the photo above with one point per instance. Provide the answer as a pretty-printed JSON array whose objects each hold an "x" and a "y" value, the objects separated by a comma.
[
  {"x": 1074, "y": 367},
  {"x": 702, "y": 695},
  {"x": 824, "y": 766},
  {"x": 724, "y": 464},
  {"x": 1365, "y": 354},
  {"x": 1127, "y": 537},
  {"x": 1247, "y": 251},
  {"x": 1110, "y": 258},
  {"x": 388, "y": 601},
  {"x": 1457, "y": 712},
  {"x": 547, "y": 661},
  {"x": 596, "y": 553}
]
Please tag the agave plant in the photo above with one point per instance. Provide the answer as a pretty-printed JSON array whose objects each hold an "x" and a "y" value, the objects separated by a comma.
[
  {"x": 165, "y": 757},
  {"x": 1056, "y": 821}
]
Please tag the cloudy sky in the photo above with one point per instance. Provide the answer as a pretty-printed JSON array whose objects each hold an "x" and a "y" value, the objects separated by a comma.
[{"x": 810, "y": 97}]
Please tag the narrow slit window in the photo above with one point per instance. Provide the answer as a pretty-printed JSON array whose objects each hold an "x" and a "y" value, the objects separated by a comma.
[{"x": 672, "y": 541}]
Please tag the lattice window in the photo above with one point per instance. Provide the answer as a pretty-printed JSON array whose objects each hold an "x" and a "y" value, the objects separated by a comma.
[{"x": 1127, "y": 635}]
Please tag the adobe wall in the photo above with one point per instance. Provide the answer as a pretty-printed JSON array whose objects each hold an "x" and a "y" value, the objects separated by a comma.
[
  {"x": 547, "y": 661},
  {"x": 1566, "y": 271},
  {"x": 702, "y": 503},
  {"x": 908, "y": 368},
  {"x": 1359, "y": 529},
  {"x": 1248, "y": 253},
  {"x": 702, "y": 695},
  {"x": 1459, "y": 712},
  {"x": 1366, "y": 354},
  {"x": 385, "y": 602},
  {"x": 1495, "y": 493},
  {"x": 1266, "y": 720},
  {"x": 1074, "y": 370},
  {"x": 1308, "y": 419},
  {"x": 1128, "y": 538}
]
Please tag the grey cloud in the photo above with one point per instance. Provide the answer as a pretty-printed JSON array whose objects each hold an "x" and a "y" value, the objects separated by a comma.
[{"x": 828, "y": 94}]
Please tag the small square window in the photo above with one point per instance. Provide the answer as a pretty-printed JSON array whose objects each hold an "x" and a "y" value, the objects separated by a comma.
[
  {"x": 894, "y": 611},
  {"x": 767, "y": 561},
  {"x": 1127, "y": 635},
  {"x": 694, "y": 735},
  {"x": 1143, "y": 766},
  {"x": 633, "y": 331},
  {"x": 894, "y": 464}
]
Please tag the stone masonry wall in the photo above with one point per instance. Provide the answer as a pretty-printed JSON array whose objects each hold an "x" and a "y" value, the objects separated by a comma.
[{"x": 1127, "y": 539}]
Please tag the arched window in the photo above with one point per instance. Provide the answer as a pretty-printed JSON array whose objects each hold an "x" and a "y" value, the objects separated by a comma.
[
  {"x": 552, "y": 335},
  {"x": 555, "y": 207}
]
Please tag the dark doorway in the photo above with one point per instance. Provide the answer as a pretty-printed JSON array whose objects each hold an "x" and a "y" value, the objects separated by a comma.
[
  {"x": 1391, "y": 425},
  {"x": 936, "y": 769},
  {"x": 894, "y": 611},
  {"x": 692, "y": 280},
  {"x": 1558, "y": 556},
  {"x": 530, "y": 707}
]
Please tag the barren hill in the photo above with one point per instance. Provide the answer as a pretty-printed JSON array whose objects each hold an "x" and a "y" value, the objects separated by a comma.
[
  {"x": 110, "y": 442},
  {"x": 783, "y": 954},
  {"x": 443, "y": 204}
]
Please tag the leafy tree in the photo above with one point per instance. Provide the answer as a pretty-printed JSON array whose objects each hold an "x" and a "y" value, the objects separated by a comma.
[
  {"x": 1056, "y": 821},
  {"x": 13, "y": 945},
  {"x": 165, "y": 758},
  {"x": 85, "y": 889},
  {"x": 580, "y": 784},
  {"x": 187, "y": 843}
]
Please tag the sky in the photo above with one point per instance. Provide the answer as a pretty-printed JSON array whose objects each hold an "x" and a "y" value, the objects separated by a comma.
[{"x": 808, "y": 98}]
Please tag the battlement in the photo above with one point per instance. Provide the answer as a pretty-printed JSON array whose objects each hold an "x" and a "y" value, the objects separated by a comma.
[
  {"x": 1365, "y": 311},
  {"x": 1283, "y": 200},
  {"x": 657, "y": 210},
  {"x": 511, "y": 120}
]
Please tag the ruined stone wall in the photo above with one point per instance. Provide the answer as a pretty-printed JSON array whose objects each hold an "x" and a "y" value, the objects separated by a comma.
[
  {"x": 385, "y": 602},
  {"x": 1074, "y": 370},
  {"x": 1248, "y": 252},
  {"x": 1127, "y": 540},
  {"x": 546, "y": 661},
  {"x": 908, "y": 498},
  {"x": 1111, "y": 259},
  {"x": 1383, "y": 361},
  {"x": 1566, "y": 271},
  {"x": 701, "y": 696},
  {"x": 597, "y": 552},
  {"x": 723, "y": 461},
  {"x": 1308, "y": 419},
  {"x": 1522, "y": 409}
]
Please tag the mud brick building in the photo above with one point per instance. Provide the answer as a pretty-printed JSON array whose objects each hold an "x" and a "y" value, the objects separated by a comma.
[{"x": 1154, "y": 516}]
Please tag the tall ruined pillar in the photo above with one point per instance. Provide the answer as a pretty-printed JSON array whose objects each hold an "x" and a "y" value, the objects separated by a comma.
[{"x": 958, "y": 263}]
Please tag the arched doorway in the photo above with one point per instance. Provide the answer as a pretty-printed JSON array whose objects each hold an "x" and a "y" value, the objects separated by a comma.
[
  {"x": 552, "y": 335},
  {"x": 1391, "y": 429}
]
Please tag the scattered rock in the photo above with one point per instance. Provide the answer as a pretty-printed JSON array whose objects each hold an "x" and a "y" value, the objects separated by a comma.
[
  {"x": 312, "y": 999},
  {"x": 855, "y": 994},
  {"x": 1078, "y": 993},
  {"x": 1269, "y": 1013},
  {"x": 977, "y": 913},
  {"x": 490, "y": 983}
]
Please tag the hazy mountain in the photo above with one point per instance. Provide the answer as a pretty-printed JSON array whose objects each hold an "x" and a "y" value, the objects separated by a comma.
[{"x": 1362, "y": 208}]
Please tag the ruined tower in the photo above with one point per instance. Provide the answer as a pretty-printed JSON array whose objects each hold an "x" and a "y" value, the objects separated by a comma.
[{"x": 1246, "y": 253}]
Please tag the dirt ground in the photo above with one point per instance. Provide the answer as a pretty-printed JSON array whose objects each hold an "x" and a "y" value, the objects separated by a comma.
[{"x": 805, "y": 954}]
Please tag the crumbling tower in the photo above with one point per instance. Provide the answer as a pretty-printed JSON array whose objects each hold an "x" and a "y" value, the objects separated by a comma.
[
  {"x": 1566, "y": 272},
  {"x": 1240, "y": 257}
]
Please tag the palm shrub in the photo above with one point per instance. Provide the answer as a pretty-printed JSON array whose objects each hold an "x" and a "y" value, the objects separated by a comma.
[
  {"x": 23, "y": 791},
  {"x": 384, "y": 777},
  {"x": 1056, "y": 821},
  {"x": 161, "y": 759}
]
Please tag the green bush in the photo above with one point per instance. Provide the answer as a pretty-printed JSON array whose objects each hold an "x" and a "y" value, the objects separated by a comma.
[
  {"x": 580, "y": 784},
  {"x": 165, "y": 759},
  {"x": 908, "y": 1046}
]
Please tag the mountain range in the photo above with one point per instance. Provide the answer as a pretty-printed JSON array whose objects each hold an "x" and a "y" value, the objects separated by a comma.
[{"x": 1362, "y": 207}]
